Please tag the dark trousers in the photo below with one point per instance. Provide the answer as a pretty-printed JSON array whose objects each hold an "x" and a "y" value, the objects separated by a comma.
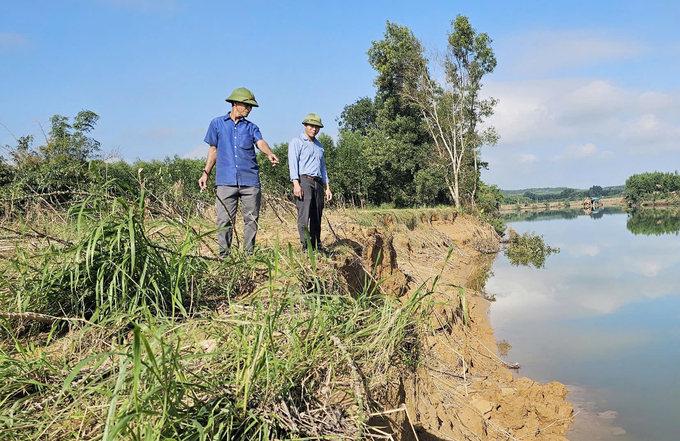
[
  {"x": 227, "y": 204},
  {"x": 310, "y": 209}
]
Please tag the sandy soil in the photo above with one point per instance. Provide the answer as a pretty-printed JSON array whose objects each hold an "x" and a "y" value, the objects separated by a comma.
[
  {"x": 463, "y": 390},
  {"x": 460, "y": 388}
]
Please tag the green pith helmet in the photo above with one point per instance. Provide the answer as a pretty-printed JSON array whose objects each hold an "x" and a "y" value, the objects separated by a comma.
[
  {"x": 313, "y": 119},
  {"x": 242, "y": 95}
]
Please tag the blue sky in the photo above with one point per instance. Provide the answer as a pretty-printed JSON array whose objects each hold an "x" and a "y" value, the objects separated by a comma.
[{"x": 588, "y": 90}]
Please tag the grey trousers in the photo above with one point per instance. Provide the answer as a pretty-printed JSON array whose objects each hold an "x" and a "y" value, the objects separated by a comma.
[
  {"x": 310, "y": 210},
  {"x": 227, "y": 204}
]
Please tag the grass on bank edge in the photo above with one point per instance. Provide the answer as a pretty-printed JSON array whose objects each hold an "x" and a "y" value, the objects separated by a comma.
[
  {"x": 293, "y": 356},
  {"x": 412, "y": 217}
]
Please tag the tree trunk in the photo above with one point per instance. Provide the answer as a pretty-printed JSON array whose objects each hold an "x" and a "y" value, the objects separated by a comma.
[
  {"x": 474, "y": 186},
  {"x": 454, "y": 192}
]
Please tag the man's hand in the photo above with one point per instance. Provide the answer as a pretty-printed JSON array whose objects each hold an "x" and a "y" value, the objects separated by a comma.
[
  {"x": 273, "y": 159},
  {"x": 297, "y": 189},
  {"x": 209, "y": 164},
  {"x": 329, "y": 195},
  {"x": 203, "y": 181}
]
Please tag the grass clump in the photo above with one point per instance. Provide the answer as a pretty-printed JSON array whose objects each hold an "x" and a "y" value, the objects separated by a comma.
[
  {"x": 109, "y": 266},
  {"x": 159, "y": 343}
]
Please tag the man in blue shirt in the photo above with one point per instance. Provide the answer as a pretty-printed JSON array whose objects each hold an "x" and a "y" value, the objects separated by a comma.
[
  {"x": 310, "y": 180},
  {"x": 232, "y": 140}
]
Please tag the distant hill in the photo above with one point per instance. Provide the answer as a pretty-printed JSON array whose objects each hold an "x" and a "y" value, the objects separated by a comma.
[
  {"x": 614, "y": 189},
  {"x": 549, "y": 194},
  {"x": 544, "y": 190}
]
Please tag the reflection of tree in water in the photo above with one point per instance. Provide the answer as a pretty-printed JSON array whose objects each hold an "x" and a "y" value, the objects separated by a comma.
[
  {"x": 530, "y": 216},
  {"x": 503, "y": 348},
  {"x": 528, "y": 250},
  {"x": 654, "y": 222},
  {"x": 481, "y": 272}
]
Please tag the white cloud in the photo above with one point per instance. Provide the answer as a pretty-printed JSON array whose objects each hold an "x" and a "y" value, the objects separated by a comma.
[
  {"x": 527, "y": 158},
  {"x": 10, "y": 42},
  {"x": 567, "y": 110},
  {"x": 576, "y": 152},
  {"x": 596, "y": 273},
  {"x": 200, "y": 152},
  {"x": 650, "y": 133},
  {"x": 578, "y": 250},
  {"x": 543, "y": 52},
  {"x": 651, "y": 269}
]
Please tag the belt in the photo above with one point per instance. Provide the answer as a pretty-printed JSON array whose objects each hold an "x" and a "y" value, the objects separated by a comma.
[{"x": 311, "y": 178}]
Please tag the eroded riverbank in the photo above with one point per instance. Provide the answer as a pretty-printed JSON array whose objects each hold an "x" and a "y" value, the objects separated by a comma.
[
  {"x": 382, "y": 337},
  {"x": 460, "y": 388}
]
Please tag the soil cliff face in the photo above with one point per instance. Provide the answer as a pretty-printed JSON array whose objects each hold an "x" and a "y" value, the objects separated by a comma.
[{"x": 459, "y": 389}]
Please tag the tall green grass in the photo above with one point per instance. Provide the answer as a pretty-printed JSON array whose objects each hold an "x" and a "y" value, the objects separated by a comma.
[
  {"x": 109, "y": 266},
  {"x": 178, "y": 347}
]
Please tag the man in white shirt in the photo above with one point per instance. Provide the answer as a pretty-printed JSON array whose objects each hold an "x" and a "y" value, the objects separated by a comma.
[{"x": 310, "y": 180}]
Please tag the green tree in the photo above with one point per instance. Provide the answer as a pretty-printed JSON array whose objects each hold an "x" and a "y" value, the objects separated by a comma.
[
  {"x": 454, "y": 111},
  {"x": 595, "y": 191},
  {"x": 359, "y": 117},
  {"x": 397, "y": 145},
  {"x": 349, "y": 170},
  {"x": 569, "y": 194},
  {"x": 650, "y": 186},
  {"x": 276, "y": 178},
  {"x": 61, "y": 164}
]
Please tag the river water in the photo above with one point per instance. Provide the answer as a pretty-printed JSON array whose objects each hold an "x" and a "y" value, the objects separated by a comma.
[{"x": 602, "y": 317}]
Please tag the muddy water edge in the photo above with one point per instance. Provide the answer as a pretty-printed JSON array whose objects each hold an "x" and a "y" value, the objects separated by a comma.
[{"x": 460, "y": 389}]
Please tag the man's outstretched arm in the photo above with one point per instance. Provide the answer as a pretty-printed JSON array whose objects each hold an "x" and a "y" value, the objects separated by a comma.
[{"x": 209, "y": 164}]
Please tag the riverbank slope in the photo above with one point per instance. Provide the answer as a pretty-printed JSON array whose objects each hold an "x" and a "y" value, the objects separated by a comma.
[
  {"x": 460, "y": 388},
  {"x": 124, "y": 326}
]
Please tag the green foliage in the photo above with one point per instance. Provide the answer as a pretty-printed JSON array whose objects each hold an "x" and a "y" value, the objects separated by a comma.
[
  {"x": 468, "y": 59},
  {"x": 396, "y": 149},
  {"x": 489, "y": 198},
  {"x": 67, "y": 169},
  {"x": 595, "y": 191},
  {"x": 528, "y": 250},
  {"x": 430, "y": 186},
  {"x": 60, "y": 165},
  {"x": 551, "y": 194},
  {"x": 489, "y": 201},
  {"x": 385, "y": 151},
  {"x": 652, "y": 186},
  {"x": 277, "y": 178},
  {"x": 111, "y": 265},
  {"x": 171, "y": 179},
  {"x": 138, "y": 369},
  {"x": 352, "y": 176},
  {"x": 359, "y": 117}
]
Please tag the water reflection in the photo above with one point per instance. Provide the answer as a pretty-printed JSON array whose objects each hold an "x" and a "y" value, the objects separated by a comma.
[
  {"x": 645, "y": 221},
  {"x": 654, "y": 222},
  {"x": 567, "y": 213},
  {"x": 602, "y": 315}
]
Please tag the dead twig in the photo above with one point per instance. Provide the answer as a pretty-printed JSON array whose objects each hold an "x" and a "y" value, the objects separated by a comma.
[{"x": 42, "y": 318}]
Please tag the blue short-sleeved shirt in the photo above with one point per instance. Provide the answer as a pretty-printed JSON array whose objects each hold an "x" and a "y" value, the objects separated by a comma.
[{"x": 236, "y": 156}]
